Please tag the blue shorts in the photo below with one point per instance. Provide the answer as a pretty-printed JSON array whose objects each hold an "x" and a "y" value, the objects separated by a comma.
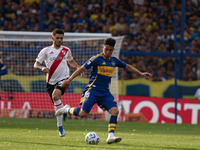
[{"x": 104, "y": 100}]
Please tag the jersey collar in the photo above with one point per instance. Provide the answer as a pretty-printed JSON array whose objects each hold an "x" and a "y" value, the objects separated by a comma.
[{"x": 104, "y": 56}]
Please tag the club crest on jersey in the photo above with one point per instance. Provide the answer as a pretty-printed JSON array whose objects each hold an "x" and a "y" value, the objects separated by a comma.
[
  {"x": 63, "y": 52},
  {"x": 113, "y": 63}
]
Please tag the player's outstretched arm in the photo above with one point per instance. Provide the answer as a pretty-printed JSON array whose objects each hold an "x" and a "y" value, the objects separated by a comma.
[
  {"x": 74, "y": 75},
  {"x": 133, "y": 69}
]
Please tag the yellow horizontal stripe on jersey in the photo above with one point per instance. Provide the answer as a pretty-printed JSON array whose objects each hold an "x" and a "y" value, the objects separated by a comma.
[
  {"x": 106, "y": 71},
  {"x": 112, "y": 125}
]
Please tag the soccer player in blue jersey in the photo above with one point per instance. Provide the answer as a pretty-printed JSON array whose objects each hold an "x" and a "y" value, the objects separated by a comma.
[
  {"x": 97, "y": 91},
  {"x": 3, "y": 69}
]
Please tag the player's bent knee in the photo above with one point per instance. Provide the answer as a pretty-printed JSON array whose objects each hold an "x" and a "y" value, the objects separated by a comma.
[
  {"x": 114, "y": 111},
  {"x": 55, "y": 97},
  {"x": 56, "y": 94}
]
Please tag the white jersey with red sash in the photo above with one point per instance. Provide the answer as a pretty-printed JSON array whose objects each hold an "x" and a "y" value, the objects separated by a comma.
[{"x": 56, "y": 61}]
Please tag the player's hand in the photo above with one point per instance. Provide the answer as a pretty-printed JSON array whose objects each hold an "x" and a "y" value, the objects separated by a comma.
[
  {"x": 146, "y": 75},
  {"x": 65, "y": 83},
  {"x": 45, "y": 69}
]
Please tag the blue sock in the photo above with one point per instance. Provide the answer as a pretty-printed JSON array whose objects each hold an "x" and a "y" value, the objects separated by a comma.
[
  {"x": 74, "y": 111},
  {"x": 112, "y": 124}
]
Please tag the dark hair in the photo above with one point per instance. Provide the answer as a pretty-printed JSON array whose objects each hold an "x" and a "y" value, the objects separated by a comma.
[
  {"x": 57, "y": 31},
  {"x": 109, "y": 41}
]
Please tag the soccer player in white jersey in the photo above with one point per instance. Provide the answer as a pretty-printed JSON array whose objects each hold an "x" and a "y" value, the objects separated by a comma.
[{"x": 56, "y": 58}]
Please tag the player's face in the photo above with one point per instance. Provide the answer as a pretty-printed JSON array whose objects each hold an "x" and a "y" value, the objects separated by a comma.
[
  {"x": 57, "y": 40},
  {"x": 107, "y": 50}
]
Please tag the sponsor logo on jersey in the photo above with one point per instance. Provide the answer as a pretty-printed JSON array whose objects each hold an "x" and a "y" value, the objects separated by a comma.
[
  {"x": 104, "y": 63},
  {"x": 89, "y": 62},
  {"x": 57, "y": 58},
  {"x": 106, "y": 71}
]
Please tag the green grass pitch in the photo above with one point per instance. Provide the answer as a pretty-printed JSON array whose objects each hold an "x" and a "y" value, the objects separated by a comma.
[{"x": 42, "y": 134}]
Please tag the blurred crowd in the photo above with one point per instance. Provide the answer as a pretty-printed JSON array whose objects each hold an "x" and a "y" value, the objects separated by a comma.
[{"x": 146, "y": 25}]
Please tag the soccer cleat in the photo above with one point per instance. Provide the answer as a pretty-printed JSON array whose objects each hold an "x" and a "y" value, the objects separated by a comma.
[
  {"x": 61, "y": 111},
  {"x": 113, "y": 139},
  {"x": 61, "y": 131}
]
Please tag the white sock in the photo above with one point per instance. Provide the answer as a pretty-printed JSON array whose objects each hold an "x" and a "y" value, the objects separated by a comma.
[
  {"x": 67, "y": 110},
  {"x": 57, "y": 105},
  {"x": 110, "y": 135}
]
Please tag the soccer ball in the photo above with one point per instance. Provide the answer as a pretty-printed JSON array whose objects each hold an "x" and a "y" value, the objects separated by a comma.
[{"x": 92, "y": 138}]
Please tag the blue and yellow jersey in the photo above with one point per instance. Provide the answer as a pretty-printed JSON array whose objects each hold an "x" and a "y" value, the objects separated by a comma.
[
  {"x": 102, "y": 71},
  {"x": 3, "y": 69}
]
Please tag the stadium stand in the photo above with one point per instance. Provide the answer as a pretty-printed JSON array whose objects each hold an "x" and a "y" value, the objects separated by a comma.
[{"x": 147, "y": 26}]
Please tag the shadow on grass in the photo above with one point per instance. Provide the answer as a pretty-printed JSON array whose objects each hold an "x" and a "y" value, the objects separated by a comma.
[
  {"x": 160, "y": 147},
  {"x": 66, "y": 146},
  {"x": 59, "y": 146}
]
